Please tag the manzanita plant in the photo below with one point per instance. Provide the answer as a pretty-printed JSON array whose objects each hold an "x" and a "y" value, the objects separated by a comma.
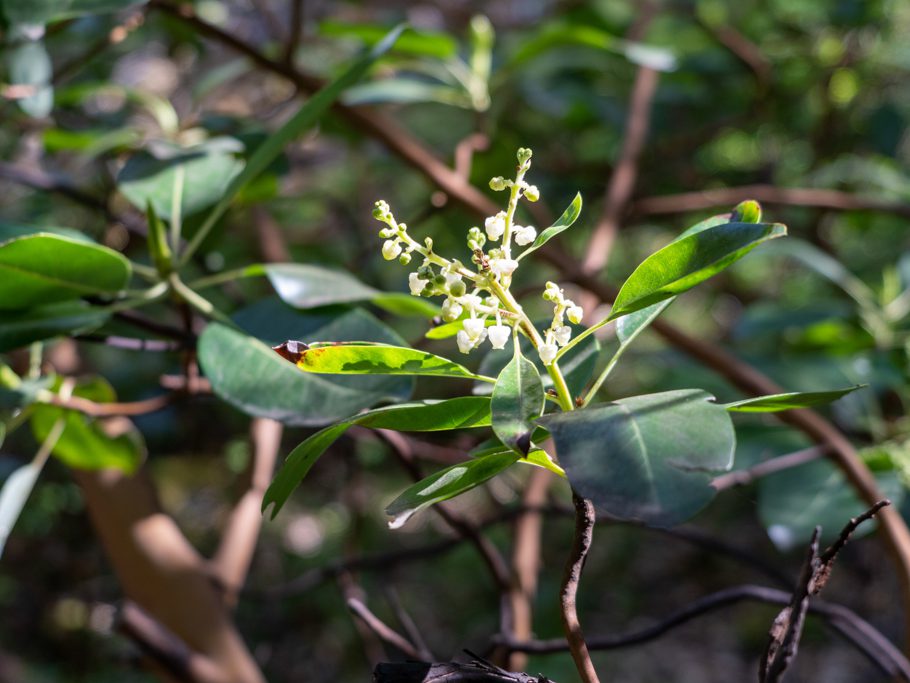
[{"x": 648, "y": 458}]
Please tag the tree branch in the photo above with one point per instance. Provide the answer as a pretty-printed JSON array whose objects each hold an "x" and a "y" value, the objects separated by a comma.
[
  {"x": 581, "y": 543},
  {"x": 763, "y": 469},
  {"x": 385, "y": 632},
  {"x": 768, "y": 194},
  {"x": 231, "y": 562}
]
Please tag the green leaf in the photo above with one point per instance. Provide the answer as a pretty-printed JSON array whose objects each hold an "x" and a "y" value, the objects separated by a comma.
[
  {"x": 88, "y": 443},
  {"x": 445, "y": 484},
  {"x": 208, "y": 170},
  {"x": 20, "y": 328},
  {"x": 249, "y": 375},
  {"x": 427, "y": 416},
  {"x": 44, "y": 268},
  {"x": 412, "y": 41},
  {"x": 648, "y": 457},
  {"x": 630, "y": 326},
  {"x": 789, "y": 401},
  {"x": 13, "y": 495},
  {"x": 305, "y": 118},
  {"x": 30, "y": 67},
  {"x": 793, "y": 502},
  {"x": 689, "y": 261},
  {"x": 402, "y": 90},
  {"x": 568, "y": 217},
  {"x": 308, "y": 286},
  {"x": 518, "y": 400},
  {"x": 363, "y": 358}
]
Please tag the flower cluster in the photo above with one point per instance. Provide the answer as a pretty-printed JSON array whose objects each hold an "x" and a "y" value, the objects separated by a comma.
[
  {"x": 558, "y": 334},
  {"x": 480, "y": 298}
]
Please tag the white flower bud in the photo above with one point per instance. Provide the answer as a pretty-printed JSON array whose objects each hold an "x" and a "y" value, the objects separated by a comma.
[
  {"x": 416, "y": 283},
  {"x": 575, "y": 314},
  {"x": 562, "y": 334},
  {"x": 499, "y": 335},
  {"x": 471, "y": 302},
  {"x": 390, "y": 250},
  {"x": 495, "y": 225},
  {"x": 474, "y": 328},
  {"x": 524, "y": 234},
  {"x": 499, "y": 183},
  {"x": 547, "y": 353},
  {"x": 503, "y": 266},
  {"x": 465, "y": 343},
  {"x": 451, "y": 309},
  {"x": 532, "y": 194}
]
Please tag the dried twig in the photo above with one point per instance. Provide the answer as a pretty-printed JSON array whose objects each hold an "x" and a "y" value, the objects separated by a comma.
[
  {"x": 581, "y": 543},
  {"x": 450, "y": 672},
  {"x": 93, "y": 409},
  {"x": 763, "y": 469},
  {"x": 385, "y": 632}
]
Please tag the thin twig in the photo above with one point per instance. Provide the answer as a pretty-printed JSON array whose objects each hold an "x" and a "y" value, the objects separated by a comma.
[
  {"x": 581, "y": 543},
  {"x": 383, "y": 630},
  {"x": 763, "y": 469},
  {"x": 769, "y": 194},
  {"x": 131, "y": 343},
  {"x": 93, "y": 409},
  {"x": 854, "y": 628},
  {"x": 622, "y": 181}
]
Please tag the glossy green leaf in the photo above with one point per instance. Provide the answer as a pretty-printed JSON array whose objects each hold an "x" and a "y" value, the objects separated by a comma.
[
  {"x": 648, "y": 457},
  {"x": 305, "y": 118},
  {"x": 13, "y": 495},
  {"x": 445, "y": 484},
  {"x": 789, "y": 401},
  {"x": 518, "y": 400},
  {"x": 207, "y": 170},
  {"x": 449, "y": 330},
  {"x": 20, "y": 328},
  {"x": 427, "y": 416},
  {"x": 43, "y": 268},
  {"x": 88, "y": 443},
  {"x": 689, "y": 261},
  {"x": 308, "y": 286},
  {"x": 361, "y": 358},
  {"x": 568, "y": 217},
  {"x": 249, "y": 375},
  {"x": 412, "y": 41},
  {"x": 793, "y": 502}
]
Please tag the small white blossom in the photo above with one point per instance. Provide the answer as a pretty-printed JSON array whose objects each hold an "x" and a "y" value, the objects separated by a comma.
[
  {"x": 532, "y": 194},
  {"x": 471, "y": 302},
  {"x": 562, "y": 334},
  {"x": 474, "y": 327},
  {"x": 465, "y": 343},
  {"x": 495, "y": 225},
  {"x": 524, "y": 234},
  {"x": 416, "y": 283},
  {"x": 503, "y": 266},
  {"x": 547, "y": 353},
  {"x": 499, "y": 335},
  {"x": 390, "y": 250},
  {"x": 575, "y": 314},
  {"x": 451, "y": 309}
]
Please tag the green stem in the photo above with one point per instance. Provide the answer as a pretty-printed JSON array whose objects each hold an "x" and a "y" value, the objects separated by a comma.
[
  {"x": 510, "y": 210},
  {"x": 603, "y": 375},
  {"x": 176, "y": 208},
  {"x": 197, "y": 301},
  {"x": 255, "y": 270}
]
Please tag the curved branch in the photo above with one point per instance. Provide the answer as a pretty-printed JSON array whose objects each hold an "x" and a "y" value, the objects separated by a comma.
[{"x": 584, "y": 534}]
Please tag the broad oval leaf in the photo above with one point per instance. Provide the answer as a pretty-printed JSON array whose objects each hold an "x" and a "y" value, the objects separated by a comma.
[
  {"x": 88, "y": 443},
  {"x": 43, "y": 268},
  {"x": 427, "y": 416},
  {"x": 518, "y": 400},
  {"x": 249, "y": 375},
  {"x": 363, "y": 358},
  {"x": 568, "y": 217},
  {"x": 445, "y": 484},
  {"x": 19, "y": 328},
  {"x": 207, "y": 171},
  {"x": 689, "y": 261},
  {"x": 648, "y": 457},
  {"x": 789, "y": 401}
]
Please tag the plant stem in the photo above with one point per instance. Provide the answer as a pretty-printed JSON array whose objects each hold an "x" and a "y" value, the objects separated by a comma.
[
  {"x": 176, "y": 208},
  {"x": 581, "y": 543}
]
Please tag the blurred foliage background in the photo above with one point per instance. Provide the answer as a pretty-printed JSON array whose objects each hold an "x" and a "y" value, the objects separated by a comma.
[{"x": 767, "y": 95}]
